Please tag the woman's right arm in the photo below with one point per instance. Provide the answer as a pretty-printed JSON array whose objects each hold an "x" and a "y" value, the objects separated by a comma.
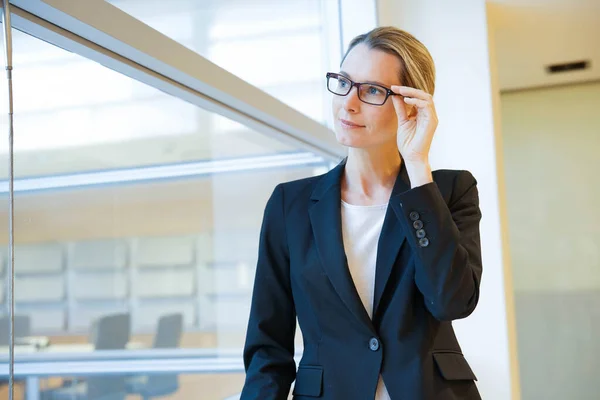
[{"x": 269, "y": 348}]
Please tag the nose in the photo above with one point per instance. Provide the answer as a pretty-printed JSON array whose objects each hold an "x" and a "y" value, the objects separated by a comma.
[{"x": 351, "y": 100}]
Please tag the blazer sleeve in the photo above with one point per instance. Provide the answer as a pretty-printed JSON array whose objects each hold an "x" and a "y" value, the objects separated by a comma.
[
  {"x": 447, "y": 246},
  {"x": 269, "y": 347}
]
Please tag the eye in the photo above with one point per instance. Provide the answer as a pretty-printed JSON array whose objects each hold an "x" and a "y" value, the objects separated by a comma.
[
  {"x": 344, "y": 82},
  {"x": 374, "y": 90}
]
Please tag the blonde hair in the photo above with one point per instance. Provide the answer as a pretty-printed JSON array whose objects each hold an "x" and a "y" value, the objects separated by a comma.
[{"x": 418, "y": 69}]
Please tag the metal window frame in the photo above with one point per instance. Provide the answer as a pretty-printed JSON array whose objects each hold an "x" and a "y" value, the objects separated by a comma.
[{"x": 154, "y": 173}]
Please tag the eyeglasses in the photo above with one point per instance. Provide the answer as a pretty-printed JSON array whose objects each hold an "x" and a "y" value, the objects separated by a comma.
[{"x": 369, "y": 93}]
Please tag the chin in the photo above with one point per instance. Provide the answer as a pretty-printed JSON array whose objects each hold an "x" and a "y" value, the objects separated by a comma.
[
  {"x": 350, "y": 139},
  {"x": 360, "y": 140}
]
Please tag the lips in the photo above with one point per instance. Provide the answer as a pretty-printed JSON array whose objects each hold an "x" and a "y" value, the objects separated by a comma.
[{"x": 350, "y": 124}]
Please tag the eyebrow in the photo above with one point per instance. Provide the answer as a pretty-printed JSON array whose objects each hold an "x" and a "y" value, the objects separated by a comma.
[{"x": 347, "y": 75}]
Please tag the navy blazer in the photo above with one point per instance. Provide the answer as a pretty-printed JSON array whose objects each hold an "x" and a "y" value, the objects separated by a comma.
[{"x": 428, "y": 271}]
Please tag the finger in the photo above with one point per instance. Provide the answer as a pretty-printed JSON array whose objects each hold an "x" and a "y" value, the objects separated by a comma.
[
  {"x": 400, "y": 108},
  {"x": 413, "y": 92},
  {"x": 422, "y": 104}
]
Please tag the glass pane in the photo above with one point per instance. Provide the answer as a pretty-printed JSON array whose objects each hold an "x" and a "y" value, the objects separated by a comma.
[
  {"x": 132, "y": 267},
  {"x": 276, "y": 45}
]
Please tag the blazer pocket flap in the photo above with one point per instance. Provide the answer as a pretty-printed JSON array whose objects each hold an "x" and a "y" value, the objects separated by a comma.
[
  {"x": 454, "y": 366},
  {"x": 309, "y": 381}
]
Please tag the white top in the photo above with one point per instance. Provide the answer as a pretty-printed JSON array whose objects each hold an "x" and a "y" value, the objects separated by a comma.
[{"x": 361, "y": 228}]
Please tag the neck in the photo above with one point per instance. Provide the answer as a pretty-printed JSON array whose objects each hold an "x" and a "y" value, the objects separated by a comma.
[{"x": 371, "y": 173}]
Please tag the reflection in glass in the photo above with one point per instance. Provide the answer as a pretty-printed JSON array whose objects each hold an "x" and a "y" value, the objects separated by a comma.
[
  {"x": 69, "y": 123},
  {"x": 278, "y": 46}
]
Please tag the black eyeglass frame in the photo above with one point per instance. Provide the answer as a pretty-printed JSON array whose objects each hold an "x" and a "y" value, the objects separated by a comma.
[{"x": 388, "y": 91}]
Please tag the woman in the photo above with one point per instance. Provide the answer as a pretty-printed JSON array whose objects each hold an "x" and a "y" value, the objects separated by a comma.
[{"x": 377, "y": 256}]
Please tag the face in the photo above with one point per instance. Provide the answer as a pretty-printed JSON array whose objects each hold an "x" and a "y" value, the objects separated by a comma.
[{"x": 377, "y": 124}]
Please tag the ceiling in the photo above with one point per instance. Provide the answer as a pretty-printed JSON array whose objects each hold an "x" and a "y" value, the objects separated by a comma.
[{"x": 529, "y": 35}]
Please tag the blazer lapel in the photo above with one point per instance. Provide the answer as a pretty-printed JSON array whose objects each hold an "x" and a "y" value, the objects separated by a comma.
[
  {"x": 326, "y": 221},
  {"x": 391, "y": 238}
]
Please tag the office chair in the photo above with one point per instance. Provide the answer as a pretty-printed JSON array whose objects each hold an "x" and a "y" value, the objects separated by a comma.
[
  {"x": 107, "y": 333},
  {"x": 168, "y": 335}
]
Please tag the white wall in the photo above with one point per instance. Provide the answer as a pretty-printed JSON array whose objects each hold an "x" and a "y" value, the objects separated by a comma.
[
  {"x": 456, "y": 33},
  {"x": 551, "y": 160}
]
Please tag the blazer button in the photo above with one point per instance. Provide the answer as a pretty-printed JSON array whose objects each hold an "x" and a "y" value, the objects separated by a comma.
[
  {"x": 421, "y": 233},
  {"x": 414, "y": 215},
  {"x": 424, "y": 242},
  {"x": 374, "y": 344},
  {"x": 418, "y": 224}
]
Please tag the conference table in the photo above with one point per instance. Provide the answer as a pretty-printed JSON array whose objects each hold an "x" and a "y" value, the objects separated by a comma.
[{"x": 33, "y": 363}]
